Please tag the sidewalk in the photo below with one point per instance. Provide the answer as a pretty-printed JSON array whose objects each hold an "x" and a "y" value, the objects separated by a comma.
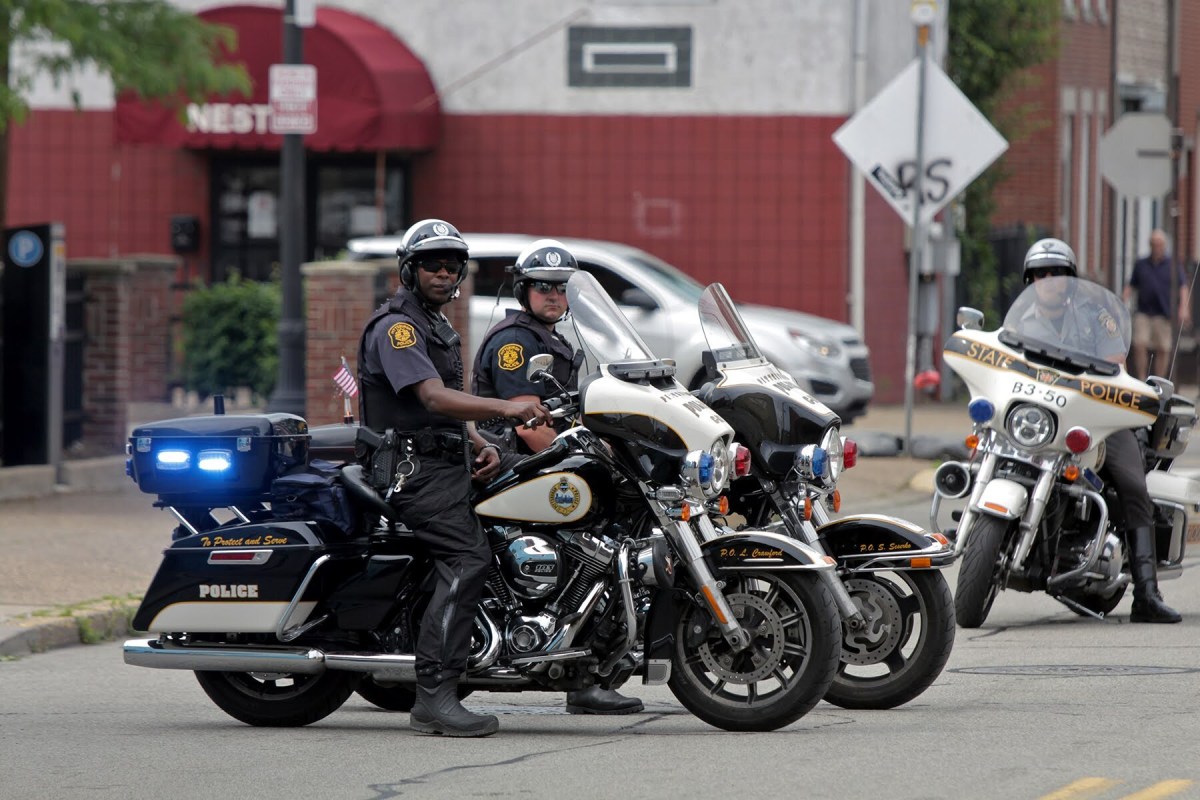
[{"x": 77, "y": 558}]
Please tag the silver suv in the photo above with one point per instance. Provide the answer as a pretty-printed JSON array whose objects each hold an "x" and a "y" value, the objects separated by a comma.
[{"x": 827, "y": 357}]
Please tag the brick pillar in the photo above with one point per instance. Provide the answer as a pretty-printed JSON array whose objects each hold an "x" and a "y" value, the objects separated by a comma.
[
  {"x": 340, "y": 295},
  {"x": 154, "y": 305},
  {"x": 107, "y": 302}
]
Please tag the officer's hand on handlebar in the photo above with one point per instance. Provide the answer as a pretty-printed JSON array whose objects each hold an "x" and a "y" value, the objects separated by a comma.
[{"x": 529, "y": 414}]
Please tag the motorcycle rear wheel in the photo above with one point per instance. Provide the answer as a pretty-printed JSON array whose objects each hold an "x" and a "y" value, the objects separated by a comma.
[
  {"x": 905, "y": 644},
  {"x": 278, "y": 700},
  {"x": 793, "y": 656},
  {"x": 978, "y": 584}
]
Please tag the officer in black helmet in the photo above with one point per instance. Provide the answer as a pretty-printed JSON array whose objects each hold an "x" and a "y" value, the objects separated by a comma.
[
  {"x": 1059, "y": 317},
  {"x": 410, "y": 370},
  {"x": 540, "y": 286}
]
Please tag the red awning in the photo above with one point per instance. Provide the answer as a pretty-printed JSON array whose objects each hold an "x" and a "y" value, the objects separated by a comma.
[{"x": 372, "y": 92}]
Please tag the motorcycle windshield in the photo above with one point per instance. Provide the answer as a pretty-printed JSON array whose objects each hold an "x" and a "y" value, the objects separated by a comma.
[
  {"x": 728, "y": 337},
  {"x": 1070, "y": 318},
  {"x": 602, "y": 330}
]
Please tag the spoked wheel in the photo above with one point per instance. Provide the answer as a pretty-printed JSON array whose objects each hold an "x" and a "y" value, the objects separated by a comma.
[
  {"x": 904, "y": 644},
  {"x": 278, "y": 700},
  {"x": 978, "y": 583},
  {"x": 792, "y": 657}
]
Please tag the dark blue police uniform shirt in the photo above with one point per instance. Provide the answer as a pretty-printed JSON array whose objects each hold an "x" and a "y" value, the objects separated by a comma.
[
  {"x": 506, "y": 358},
  {"x": 399, "y": 349}
]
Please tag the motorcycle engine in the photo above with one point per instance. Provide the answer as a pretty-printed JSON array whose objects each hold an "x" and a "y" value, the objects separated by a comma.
[{"x": 531, "y": 567}]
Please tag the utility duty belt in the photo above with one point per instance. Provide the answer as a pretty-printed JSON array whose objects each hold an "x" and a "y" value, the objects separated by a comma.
[{"x": 388, "y": 457}]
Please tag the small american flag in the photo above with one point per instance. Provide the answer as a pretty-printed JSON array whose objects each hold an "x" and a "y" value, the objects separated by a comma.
[{"x": 345, "y": 380}]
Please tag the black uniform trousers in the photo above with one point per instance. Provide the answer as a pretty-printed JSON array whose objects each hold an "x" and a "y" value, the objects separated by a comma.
[
  {"x": 1123, "y": 466},
  {"x": 435, "y": 505}
]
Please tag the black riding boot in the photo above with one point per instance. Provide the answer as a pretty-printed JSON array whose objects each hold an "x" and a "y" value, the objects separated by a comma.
[
  {"x": 1148, "y": 605},
  {"x": 437, "y": 710},
  {"x": 595, "y": 700}
]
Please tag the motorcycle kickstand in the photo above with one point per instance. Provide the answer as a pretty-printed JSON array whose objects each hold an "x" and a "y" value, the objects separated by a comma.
[{"x": 1079, "y": 609}]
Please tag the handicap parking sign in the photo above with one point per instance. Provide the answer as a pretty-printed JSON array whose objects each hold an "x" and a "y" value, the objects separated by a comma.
[{"x": 25, "y": 248}]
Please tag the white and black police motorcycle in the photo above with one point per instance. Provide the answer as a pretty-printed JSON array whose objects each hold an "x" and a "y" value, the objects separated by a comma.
[
  {"x": 896, "y": 608},
  {"x": 601, "y": 541},
  {"x": 1037, "y": 514}
]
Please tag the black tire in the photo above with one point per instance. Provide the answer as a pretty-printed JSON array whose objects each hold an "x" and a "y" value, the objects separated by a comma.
[
  {"x": 788, "y": 667},
  {"x": 978, "y": 583},
  {"x": 1095, "y": 603},
  {"x": 905, "y": 644},
  {"x": 397, "y": 697},
  {"x": 278, "y": 700}
]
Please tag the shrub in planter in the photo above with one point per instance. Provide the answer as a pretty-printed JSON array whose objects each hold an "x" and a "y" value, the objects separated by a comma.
[{"x": 230, "y": 336}]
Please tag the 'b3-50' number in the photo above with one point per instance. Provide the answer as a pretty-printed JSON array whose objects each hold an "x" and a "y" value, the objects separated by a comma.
[{"x": 1030, "y": 389}]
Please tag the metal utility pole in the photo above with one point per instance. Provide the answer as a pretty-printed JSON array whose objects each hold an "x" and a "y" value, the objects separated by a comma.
[
  {"x": 923, "y": 15},
  {"x": 1176, "y": 256},
  {"x": 289, "y": 395}
]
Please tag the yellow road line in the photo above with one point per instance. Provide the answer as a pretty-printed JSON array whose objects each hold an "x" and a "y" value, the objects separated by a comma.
[
  {"x": 1160, "y": 789},
  {"x": 1082, "y": 788}
]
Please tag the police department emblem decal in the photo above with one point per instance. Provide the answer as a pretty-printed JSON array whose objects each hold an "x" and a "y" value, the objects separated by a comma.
[
  {"x": 553, "y": 258},
  {"x": 510, "y": 357},
  {"x": 564, "y": 498},
  {"x": 441, "y": 228},
  {"x": 402, "y": 335}
]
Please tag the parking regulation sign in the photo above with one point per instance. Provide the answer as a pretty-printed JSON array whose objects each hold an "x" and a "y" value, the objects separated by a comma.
[
  {"x": 25, "y": 248},
  {"x": 881, "y": 140},
  {"x": 293, "y": 97}
]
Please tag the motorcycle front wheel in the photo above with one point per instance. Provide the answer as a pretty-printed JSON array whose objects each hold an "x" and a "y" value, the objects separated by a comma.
[
  {"x": 792, "y": 658},
  {"x": 977, "y": 581},
  {"x": 278, "y": 700},
  {"x": 904, "y": 643}
]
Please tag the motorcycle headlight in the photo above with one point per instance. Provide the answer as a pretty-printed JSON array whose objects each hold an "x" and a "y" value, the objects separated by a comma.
[
  {"x": 1030, "y": 426},
  {"x": 722, "y": 467},
  {"x": 697, "y": 472},
  {"x": 812, "y": 463},
  {"x": 831, "y": 443}
]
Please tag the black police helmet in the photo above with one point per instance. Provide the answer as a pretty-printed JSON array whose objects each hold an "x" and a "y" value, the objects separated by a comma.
[
  {"x": 543, "y": 260},
  {"x": 430, "y": 237},
  {"x": 1052, "y": 254}
]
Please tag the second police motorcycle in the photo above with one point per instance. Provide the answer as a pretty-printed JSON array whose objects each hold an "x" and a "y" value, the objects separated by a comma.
[
  {"x": 606, "y": 562},
  {"x": 896, "y": 609},
  {"x": 1037, "y": 516}
]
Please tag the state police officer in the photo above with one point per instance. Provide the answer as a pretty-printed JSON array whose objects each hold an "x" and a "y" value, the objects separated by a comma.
[{"x": 410, "y": 370}]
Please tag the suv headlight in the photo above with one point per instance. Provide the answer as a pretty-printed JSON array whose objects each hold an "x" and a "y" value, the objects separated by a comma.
[{"x": 1030, "y": 426}]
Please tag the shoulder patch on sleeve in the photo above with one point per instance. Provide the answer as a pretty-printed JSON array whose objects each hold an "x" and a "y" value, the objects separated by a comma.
[
  {"x": 510, "y": 357},
  {"x": 1108, "y": 323},
  {"x": 402, "y": 335}
]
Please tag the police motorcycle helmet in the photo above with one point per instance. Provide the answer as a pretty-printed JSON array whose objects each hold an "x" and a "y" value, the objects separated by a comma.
[
  {"x": 543, "y": 260},
  {"x": 1049, "y": 256},
  {"x": 428, "y": 237}
]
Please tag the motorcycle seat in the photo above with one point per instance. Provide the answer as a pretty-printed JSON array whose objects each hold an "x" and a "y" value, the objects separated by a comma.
[{"x": 363, "y": 496}]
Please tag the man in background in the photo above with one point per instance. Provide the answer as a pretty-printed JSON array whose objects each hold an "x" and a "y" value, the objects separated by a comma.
[{"x": 1152, "y": 328}]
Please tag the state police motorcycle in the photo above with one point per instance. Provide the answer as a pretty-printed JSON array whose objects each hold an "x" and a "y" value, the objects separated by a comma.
[
  {"x": 1037, "y": 517},
  {"x": 896, "y": 608},
  {"x": 599, "y": 542}
]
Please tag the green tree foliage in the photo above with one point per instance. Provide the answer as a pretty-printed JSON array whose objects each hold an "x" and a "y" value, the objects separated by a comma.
[
  {"x": 149, "y": 47},
  {"x": 992, "y": 44},
  {"x": 230, "y": 336}
]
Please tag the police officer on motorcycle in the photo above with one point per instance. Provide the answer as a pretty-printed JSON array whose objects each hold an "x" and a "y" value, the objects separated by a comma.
[
  {"x": 1093, "y": 329},
  {"x": 410, "y": 370},
  {"x": 540, "y": 286}
]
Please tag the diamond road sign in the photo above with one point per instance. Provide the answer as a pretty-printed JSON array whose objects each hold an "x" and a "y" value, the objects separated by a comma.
[
  {"x": 1135, "y": 154},
  {"x": 881, "y": 140}
]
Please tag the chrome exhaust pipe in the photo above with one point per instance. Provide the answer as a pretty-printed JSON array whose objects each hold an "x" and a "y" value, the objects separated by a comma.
[{"x": 222, "y": 658}]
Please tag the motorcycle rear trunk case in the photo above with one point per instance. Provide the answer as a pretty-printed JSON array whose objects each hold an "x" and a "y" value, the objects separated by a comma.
[
  {"x": 1178, "y": 416},
  {"x": 261, "y": 448}
]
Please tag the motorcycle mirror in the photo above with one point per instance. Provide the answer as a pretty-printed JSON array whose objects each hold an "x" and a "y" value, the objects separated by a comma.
[
  {"x": 542, "y": 362},
  {"x": 969, "y": 318}
]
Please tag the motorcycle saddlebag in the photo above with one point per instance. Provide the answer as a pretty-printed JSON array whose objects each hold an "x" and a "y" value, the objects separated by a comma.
[
  {"x": 239, "y": 578},
  {"x": 1170, "y": 432}
]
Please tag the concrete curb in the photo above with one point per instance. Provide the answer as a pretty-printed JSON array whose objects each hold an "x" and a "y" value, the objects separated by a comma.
[
  {"x": 102, "y": 474},
  {"x": 88, "y": 623}
]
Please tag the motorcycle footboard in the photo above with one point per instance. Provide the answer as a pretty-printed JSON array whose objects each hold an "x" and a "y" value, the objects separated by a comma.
[{"x": 871, "y": 542}]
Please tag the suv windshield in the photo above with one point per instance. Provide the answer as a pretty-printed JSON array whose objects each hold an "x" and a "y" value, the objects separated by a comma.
[{"x": 672, "y": 277}]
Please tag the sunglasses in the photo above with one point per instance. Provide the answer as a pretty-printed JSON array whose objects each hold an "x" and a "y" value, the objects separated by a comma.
[
  {"x": 1048, "y": 272},
  {"x": 546, "y": 287},
  {"x": 435, "y": 265}
]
